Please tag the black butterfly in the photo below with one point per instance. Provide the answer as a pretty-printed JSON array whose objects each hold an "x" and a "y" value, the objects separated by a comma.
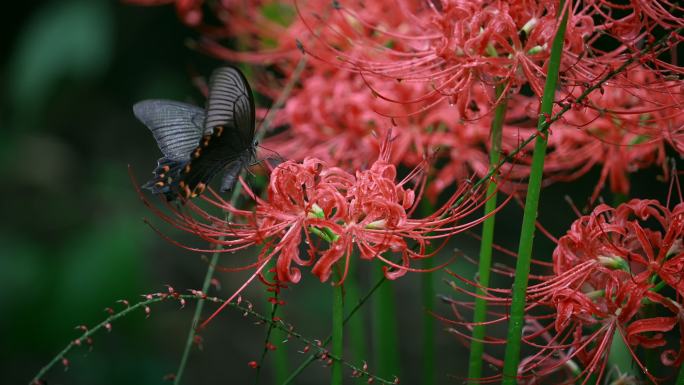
[{"x": 196, "y": 143}]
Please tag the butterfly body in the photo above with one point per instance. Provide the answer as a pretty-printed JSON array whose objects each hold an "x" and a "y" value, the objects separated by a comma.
[{"x": 198, "y": 144}]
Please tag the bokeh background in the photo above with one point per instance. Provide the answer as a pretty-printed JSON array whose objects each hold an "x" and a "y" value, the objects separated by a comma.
[{"x": 72, "y": 239}]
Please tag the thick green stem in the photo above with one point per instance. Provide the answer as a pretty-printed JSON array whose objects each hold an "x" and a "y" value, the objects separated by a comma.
[
  {"x": 337, "y": 331},
  {"x": 277, "y": 336},
  {"x": 619, "y": 355},
  {"x": 357, "y": 335},
  {"x": 281, "y": 365},
  {"x": 385, "y": 329},
  {"x": 427, "y": 281},
  {"x": 522, "y": 269},
  {"x": 680, "y": 377},
  {"x": 480, "y": 311},
  {"x": 428, "y": 293}
]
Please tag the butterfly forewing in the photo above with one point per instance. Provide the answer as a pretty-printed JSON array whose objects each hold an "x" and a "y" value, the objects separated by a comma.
[
  {"x": 229, "y": 132},
  {"x": 231, "y": 104},
  {"x": 177, "y": 127}
]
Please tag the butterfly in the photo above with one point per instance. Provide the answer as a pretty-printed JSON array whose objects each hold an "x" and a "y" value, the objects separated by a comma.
[{"x": 199, "y": 143}]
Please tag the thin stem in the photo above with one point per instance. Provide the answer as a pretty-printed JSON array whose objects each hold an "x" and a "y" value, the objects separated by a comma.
[
  {"x": 337, "y": 329},
  {"x": 245, "y": 310},
  {"x": 233, "y": 200},
  {"x": 272, "y": 334},
  {"x": 325, "y": 342},
  {"x": 195, "y": 319},
  {"x": 200, "y": 303},
  {"x": 522, "y": 269},
  {"x": 485, "y": 263},
  {"x": 84, "y": 337},
  {"x": 386, "y": 348}
]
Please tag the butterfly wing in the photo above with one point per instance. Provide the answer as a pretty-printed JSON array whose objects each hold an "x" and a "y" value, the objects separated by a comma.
[
  {"x": 177, "y": 127},
  {"x": 229, "y": 133},
  {"x": 231, "y": 105}
]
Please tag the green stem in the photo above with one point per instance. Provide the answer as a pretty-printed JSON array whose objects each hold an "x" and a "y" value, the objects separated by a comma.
[
  {"x": 541, "y": 130},
  {"x": 353, "y": 311},
  {"x": 386, "y": 348},
  {"x": 195, "y": 319},
  {"x": 522, "y": 269},
  {"x": 337, "y": 330},
  {"x": 200, "y": 303},
  {"x": 480, "y": 311},
  {"x": 428, "y": 293},
  {"x": 619, "y": 355},
  {"x": 680, "y": 377},
  {"x": 282, "y": 367},
  {"x": 356, "y": 325},
  {"x": 275, "y": 335},
  {"x": 427, "y": 281}
]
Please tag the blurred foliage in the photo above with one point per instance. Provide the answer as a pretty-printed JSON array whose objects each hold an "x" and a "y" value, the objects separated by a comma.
[{"x": 71, "y": 39}]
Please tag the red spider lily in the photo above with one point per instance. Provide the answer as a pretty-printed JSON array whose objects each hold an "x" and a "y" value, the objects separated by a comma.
[
  {"x": 368, "y": 211},
  {"x": 452, "y": 46},
  {"x": 333, "y": 117},
  {"x": 635, "y": 246},
  {"x": 608, "y": 269},
  {"x": 621, "y": 127}
]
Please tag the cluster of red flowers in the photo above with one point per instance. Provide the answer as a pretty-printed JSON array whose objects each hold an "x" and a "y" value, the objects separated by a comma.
[
  {"x": 609, "y": 274},
  {"x": 369, "y": 210},
  {"x": 610, "y": 268},
  {"x": 414, "y": 55},
  {"x": 426, "y": 70}
]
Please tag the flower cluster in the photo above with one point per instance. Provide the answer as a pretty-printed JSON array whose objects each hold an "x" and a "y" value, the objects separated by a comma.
[
  {"x": 609, "y": 274},
  {"x": 633, "y": 252},
  {"x": 452, "y": 45},
  {"x": 622, "y": 128},
  {"x": 333, "y": 212}
]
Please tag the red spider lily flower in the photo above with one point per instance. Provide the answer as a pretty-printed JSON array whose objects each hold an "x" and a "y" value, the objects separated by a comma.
[
  {"x": 333, "y": 117},
  {"x": 333, "y": 212},
  {"x": 626, "y": 128},
  {"x": 636, "y": 249},
  {"x": 621, "y": 128},
  {"x": 450, "y": 46},
  {"x": 607, "y": 270}
]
